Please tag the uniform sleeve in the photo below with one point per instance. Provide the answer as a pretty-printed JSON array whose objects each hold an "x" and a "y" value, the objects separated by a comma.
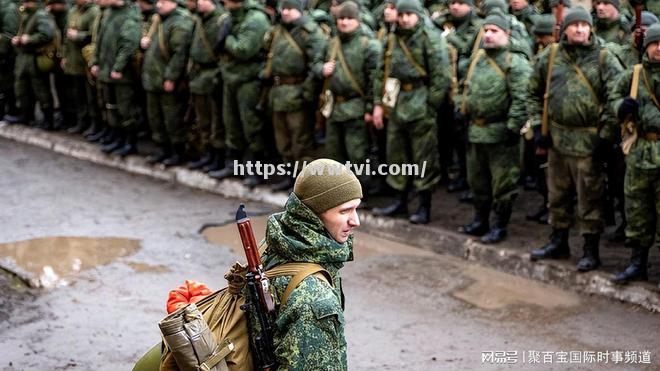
[
  {"x": 44, "y": 31},
  {"x": 247, "y": 42},
  {"x": 374, "y": 72},
  {"x": 440, "y": 76},
  {"x": 315, "y": 50},
  {"x": 85, "y": 35},
  {"x": 9, "y": 21},
  {"x": 621, "y": 89},
  {"x": 610, "y": 72},
  {"x": 179, "y": 44},
  {"x": 517, "y": 80},
  {"x": 128, "y": 43},
  {"x": 536, "y": 88}
]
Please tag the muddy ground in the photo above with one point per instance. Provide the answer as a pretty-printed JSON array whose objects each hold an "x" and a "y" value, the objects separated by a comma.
[{"x": 407, "y": 309}]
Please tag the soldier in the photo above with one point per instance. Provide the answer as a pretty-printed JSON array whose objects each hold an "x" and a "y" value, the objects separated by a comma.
[
  {"x": 163, "y": 76},
  {"x": 205, "y": 85},
  {"x": 629, "y": 53},
  {"x": 241, "y": 43},
  {"x": 576, "y": 77},
  {"x": 494, "y": 102},
  {"x": 520, "y": 39},
  {"x": 8, "y": 26},
  {"x": 637, "y": 93},
  {"x": 99, "y": 128},
  {"x": 295, "y": 63},
  {"x": 610, "y": 24},
  {"x": 355, "y": 89},
  {"x": 525, "y": 13},
  {"x": 367, "y": 21},
  {"x": 418, "y": 59},
  {"x": 315, "y": 227},
  {"x": 35, "y": 59},
  {"x": 117, "y": 42},
  {"x": 78, "y": 35},
  {"x": 65, "y": 111}
]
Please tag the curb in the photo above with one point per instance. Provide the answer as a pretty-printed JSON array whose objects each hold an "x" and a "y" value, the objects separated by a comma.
[{"x": 438, "y": 240}]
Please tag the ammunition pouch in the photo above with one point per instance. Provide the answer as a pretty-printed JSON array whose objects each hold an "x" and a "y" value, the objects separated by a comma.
[{"x": 391, "y": 94}]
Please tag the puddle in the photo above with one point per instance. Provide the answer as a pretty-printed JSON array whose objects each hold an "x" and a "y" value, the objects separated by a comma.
[
  {"x": 496, "y": 290},
  {"x": 366, "y": 245},
  {"x": 148, "y": 268},
  {"x": 52, "y": 261}
]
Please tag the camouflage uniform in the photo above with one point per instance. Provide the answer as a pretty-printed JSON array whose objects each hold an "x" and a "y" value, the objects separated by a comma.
[
  {"x": 8, "y": 26},
  {"x": 81, "y": 19},
  {"x": 309, "y": 331},
  {"x": 165, "y": 60},
  {"x": 30, "y": 81},
  {"x": 617, "y": 31},
  {"x": 58, "y": 9},
  {"x": 527, "y": 16},
  {"x": 347, "y": 135}
]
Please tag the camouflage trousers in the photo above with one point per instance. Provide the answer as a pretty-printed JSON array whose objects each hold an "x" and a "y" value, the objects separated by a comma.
[
  {"x": 293, "y": 135},
  {"x": 30, "y": 84},
  {"x": 207, "y": 132},
  {"x": 642, "y": 203},
  {"x": 165, "y": 112},
  {"x": 492, "y": 172},
  {"x": 243, "y": 125},
  {"x": 121, "y": 110},
  {"x": 414, "y": 143},
  {"x": 568, "y": 175},
  {"x": 348, "y": 141}
]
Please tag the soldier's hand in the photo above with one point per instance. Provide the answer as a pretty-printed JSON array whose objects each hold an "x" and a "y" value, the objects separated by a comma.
[
  {"x": 15, "y": 40},
  {"x": 367, "y": 117},
  {"x": 71, "y": 34},
  {"x": 63, "y": 63},
  {"x": 168, "y": 86},
  {"x": 24, "y": 39},
  {"x": 329, "y": 68},
  {"x": 115, "y": 75},
  {"x": 145, "y": 42},
  {"x": 378, "y": 117},
  {"x": 628, "y": 107},
  {"x": 94, "y": 71}
]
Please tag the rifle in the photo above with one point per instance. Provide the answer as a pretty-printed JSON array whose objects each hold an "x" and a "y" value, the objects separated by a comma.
[
  {"x": 559, "y": 17},
  {"x": 259, "y": 303},
  {"x": 639, "y": 36}
]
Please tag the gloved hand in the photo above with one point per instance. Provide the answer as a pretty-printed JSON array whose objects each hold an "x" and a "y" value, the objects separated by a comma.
[
  {"x": 512, "y": 138},
  {"x": 602, "y": 150},
  {"x": 629, "y": 106},
  {"x": 223, "y": 32},
  {"x": 540, "y": 140}
]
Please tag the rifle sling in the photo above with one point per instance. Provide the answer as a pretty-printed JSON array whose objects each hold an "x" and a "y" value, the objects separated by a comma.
[
  {"x": 411, "y": 58},
  {"x": 349, "y": 73}
]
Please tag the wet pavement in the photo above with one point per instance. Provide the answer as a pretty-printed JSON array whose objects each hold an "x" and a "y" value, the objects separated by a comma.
[{"x": 407, "y": 309}]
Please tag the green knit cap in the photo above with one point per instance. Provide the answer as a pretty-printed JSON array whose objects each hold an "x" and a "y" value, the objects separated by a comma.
[
  {"x": 292, "y": 4},
  {"x": 576, "y": 14},
  {"x": 544, "y": 25},
  {"x": 489, "y": 5},
  {"x": 498, "y": 19},
  {"x": 652, "y": 34},
  {"x": 324, "y": 184},
  {"x": 348, "y": 9},
  {"x": 410, "y": 6}
]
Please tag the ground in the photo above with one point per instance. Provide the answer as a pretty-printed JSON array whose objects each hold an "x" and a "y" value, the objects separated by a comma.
[{"x": 407, "y": 308}]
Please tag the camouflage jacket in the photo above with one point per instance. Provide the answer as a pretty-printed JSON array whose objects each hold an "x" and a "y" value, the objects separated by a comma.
[
  {"x": 363, "y": 56},
  {"x": 309, "y": 331},
  {"x": 8, "y": 26},
  {"x": 39, "y": 26},
  {"x": 612, "y": 31},
  {"x": 204, "y": 75},
  {"x": 644, "y": 154},
  {"x": 117, "y": 40},
  {"x": 495, "y": 95},
  {"x": 653, "y": 6},
  {"x": 244, "y": 53},
  {"x": 168, "y": 50},
  {"x": 462, "y": 37},
  {"x": 80, "y": 19},
  {"x": 577, "y": 109},
  {"x": 527, "y": 16},
  {"x": 295, "y": 50},
  {"x": 431, "y": 82}
]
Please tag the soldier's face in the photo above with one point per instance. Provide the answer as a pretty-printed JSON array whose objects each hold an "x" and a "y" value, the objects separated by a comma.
[
  {"x": 653, "y": 51},
  {"x": 205, "y": 6},
  {"x": 165, "y": 6},
  {"x": 578, "y": 32},
  {"x": 347, "y": 25},
  {"x": 495, "y": 37},
  {"x": 341, "y": 220},
  {"x": 290, "y": 15},
  {"x": 545, "y": 40},
  {"x": 458, "y": 9},
  {"x": 518, "y": 4},
  {"x": 408, "y": 20},
  {"x": 390, "y": 14},
  {"x": 606, "y": 11}
]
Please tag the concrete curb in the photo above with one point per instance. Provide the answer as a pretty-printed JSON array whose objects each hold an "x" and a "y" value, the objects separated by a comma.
[{"x": 435, "y": 239}]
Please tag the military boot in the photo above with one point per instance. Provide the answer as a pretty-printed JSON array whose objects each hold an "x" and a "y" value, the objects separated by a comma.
[
  {"x": 177, "y": 156},
  {"x": 636, "y": 271},
  {"x": 498, "y": 232},
  {"x": 229, "y": 169},
  {"x": 253, "y": 180},
  {"x": 204, "y": 160},
  {"x": 423, "y": 213},
  {"x": 95, "y": 132},
  {"x": 20, "y": 118},
  {"x": 48, "y": 122},
  {"x": 117, "y": 143},
  {"x": 457, "y": 185},
  {"x": 110, "y": 136},
  {"x": 399, "y": 207},
  {"x": 218, "y": 161},
  {"x": 591, "y": 258},
  {"x": 163, "y": 153},
  {"x": 129, "y": 147},
  {"x": 557, "y": 248},
  {"x": 480, "y": 224},
  {"x": 78, "y": 128}
]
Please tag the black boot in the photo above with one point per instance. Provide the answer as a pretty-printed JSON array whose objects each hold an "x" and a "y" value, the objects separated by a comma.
[
  {"x": 423, "y": 213},
  {"x": 206, "y": 159},
  {"x": 95, "y": 134},
  {"x": 129, "y": 147},
  {"x": 591, "y": 258},
  {"x": 399, "y": 207},
  {"x": 178, "y": 155},
  {"x": 15, "y": 119},
  {"x": 48, "y": 122},
  {"x": 229, "y": 169},
  {"x": 636, "y": 271},
  {"x": 498, "y": 232},
  {"x": 110, "y": 136},
  {"x": 164, "y": 152},
  {"x": 217, "y": 163},
  {"x": 458, "y": 184},
  {"x": 536, "y": 216},
  {"x": 79, "y": 128},
  {"x": 480, "y": 224},
  {"x": 557, "y": 248},
  {"x": 254, "y": 180},
  {"x": 117, "y": 143}
]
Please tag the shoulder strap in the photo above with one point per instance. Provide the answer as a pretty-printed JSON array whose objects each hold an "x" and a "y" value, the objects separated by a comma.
[
  {"x": 411, "y": 58},
  {"x": 583, "y": 78},
  {"x": 333, "y": 54},
  {"x": 477, "y": 40},
  {"x": 164, "y": 50},
  {"x": 546, "y": 96},
  {"x": 466, "y": 83},
  {"x": 302, "y": 271},
  {"x": 349, "y": 73},
  {"x": 201, "y": 34},
  {"x": 387, "y": 65},
  {"x": 292, "y": 41}
]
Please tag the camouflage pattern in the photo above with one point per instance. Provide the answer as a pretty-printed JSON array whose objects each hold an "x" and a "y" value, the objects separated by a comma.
[
  {"x": 642, "y": 179},
  {"x": 29, "y": 81},
  {"x": 242, "y": 61},
  {"x": 626, "y": 53},
  {"x": 574, "y": 114},
  {"x": 310, "y": 329},
  {"x": 527, "y": 16},
  {"x": 493, "y": 173},
  {"x": 118, "y": 39},
  {"x": 412, "y": 130},
  {"x": 462, "y": 37},
  {"x": 653, "y": 6},
  {"x": 613, "y": 31},
  {"x": 8, "y": 26}
]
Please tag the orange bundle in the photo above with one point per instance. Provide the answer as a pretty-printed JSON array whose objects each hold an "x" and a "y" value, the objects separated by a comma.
[{"x": 189, "y": 292}]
